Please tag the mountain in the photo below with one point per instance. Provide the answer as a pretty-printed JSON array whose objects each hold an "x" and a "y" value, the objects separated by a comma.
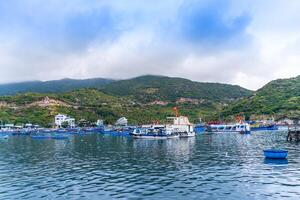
[
  {"x": 150, "y": 88},
  {"x": 63, "y": 85},
  {"x": 278, "y": 98},
  {"x": 91, "y": 104},
  {"x": 142, "y": 100}
]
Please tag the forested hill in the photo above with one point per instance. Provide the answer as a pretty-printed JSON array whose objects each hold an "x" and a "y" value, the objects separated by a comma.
[
  {"x": 143, "y": 89},
  {"x": 150, "y": 88},
  {"x": 55, "y": 86},
  {"x": 142, "y": 100},
  {"x": 278, "y": 98},
  {"x": 148, "y": 98}
]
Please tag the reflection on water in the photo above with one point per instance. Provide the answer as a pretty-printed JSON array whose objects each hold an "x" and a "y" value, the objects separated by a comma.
[
  {"x": 276, "y": 161},
  {"x": 210, "y": 166}
]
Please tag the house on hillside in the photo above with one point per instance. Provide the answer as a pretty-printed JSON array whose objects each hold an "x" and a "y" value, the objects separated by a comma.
[
  {"x": 61, "y": 120},
  {"x": 122, "y": 122},
  {"x": 99, "y": 122}
]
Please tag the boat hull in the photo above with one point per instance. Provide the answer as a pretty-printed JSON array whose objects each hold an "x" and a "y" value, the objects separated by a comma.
[
  {"x": 187, "y": 135},
  {"x": 153, "y": 136},
  {"x": 265, "y": 128}
]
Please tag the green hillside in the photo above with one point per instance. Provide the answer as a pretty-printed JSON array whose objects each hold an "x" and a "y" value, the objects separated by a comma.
[
  {"x": 151, "y": 98},
  {"x": 63, "y": 85},
  {"x": 150, "y": 88},
  {"x": 91, "y": 104},
  {"x": 278, "y": 98}
]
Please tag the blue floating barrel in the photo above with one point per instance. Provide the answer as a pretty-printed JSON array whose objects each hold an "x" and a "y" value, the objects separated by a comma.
[{"x": 275, "y": 153}]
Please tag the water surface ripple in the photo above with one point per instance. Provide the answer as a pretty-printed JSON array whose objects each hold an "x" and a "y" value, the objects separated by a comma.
[{"x": 210, "y": 166}]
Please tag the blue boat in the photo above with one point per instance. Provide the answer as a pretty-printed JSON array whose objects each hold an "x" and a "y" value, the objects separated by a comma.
[
  {"x": 40, "y": 137},
  {"x": 264, "y": 128},
  {"x": 200, "y": 128},
  {"x": 61, "y": 131},
  {"x": 275, "y": 153},
  {"x": 116, "y": 131},
  {"x": 92, "y": 129},
  {"x": 153, "y": 133},
  {"x": 59, "y": 137}
]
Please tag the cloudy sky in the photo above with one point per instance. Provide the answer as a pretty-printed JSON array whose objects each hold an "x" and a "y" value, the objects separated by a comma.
[{"x": 244, "y": 42}]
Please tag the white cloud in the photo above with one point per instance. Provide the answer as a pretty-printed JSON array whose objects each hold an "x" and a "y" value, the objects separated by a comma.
[{"x": 144, "y": 40}]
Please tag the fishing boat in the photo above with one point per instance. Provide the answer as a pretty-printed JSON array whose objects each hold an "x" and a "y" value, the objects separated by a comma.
[
  {"x": 153, "y": 133},
  {"x": 200, "y": 128},
  {"x": 116, "y": 131},
  {"x": 59, "y": 137},
  {"x": 40, "y": 137},
  {"x": 243, "y": 128},
  {"x": 61, "y": 130},
  {"x": 239, "y": 127},
  {"x": 262, "y": 127},
  {"x": 182, "y": 126}
]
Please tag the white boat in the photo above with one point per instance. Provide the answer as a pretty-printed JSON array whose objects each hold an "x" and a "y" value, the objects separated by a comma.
[
  {"x": 225, "y": 128},
  {"x": 182, "y": 126},
  {"x": 153, "y": 133}
]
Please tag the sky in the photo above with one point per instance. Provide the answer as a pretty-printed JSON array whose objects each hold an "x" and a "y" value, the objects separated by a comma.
[{"x": 243, "y": 42}]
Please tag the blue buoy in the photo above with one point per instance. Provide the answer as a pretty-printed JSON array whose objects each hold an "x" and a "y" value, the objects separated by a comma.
[{"x": 275, "y": 153}]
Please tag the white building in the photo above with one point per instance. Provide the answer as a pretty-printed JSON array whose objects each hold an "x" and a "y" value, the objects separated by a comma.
[
  {"x": 99, "y": 122},
  {"x": 122, "y": 122},
  {"x": 60, "y": 119}
]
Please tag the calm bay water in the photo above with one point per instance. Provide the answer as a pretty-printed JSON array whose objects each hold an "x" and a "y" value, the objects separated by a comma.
[{"x": 210, "y": 166}]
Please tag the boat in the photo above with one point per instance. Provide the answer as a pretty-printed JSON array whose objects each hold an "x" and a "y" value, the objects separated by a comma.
[
  {"x": 200, "y": 128},
  {"x": 92, "y": 129},
  {"x": 61, "y": 130},
  {"x": 153, "y": 133},
  {"x": 59, "y": 137},
  {"x": 182, "y": 126},
  {"x": 243, "y": 128},
  {"x": 260, "y": 127},
  {"x": 275, "y": 153},
  {"x": 263, "y": 125},
  {"x": 40, "y": 137}
]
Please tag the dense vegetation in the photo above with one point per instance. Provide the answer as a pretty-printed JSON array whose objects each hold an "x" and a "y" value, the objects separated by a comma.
[
  {"x": 63, "y": 85},
  {"x": 150, "y": 88},
  {"x": 151, "y": 98},
  {"x": 279, "y": 98},
  {"x": 91, "y": 104}
]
